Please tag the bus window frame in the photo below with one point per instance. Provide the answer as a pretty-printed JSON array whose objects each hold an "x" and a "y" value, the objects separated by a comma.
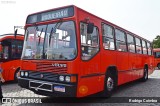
[
  {"x": 142, "y": 40},
  {"x": 15, "y": 40},
  {"x": 151, "y": 47},
  {"x": 98, "y": 34},
  {"x": 133, "y": 42},
  {"x": 138, "y": 45},
  {"x": 125, "y": 38},
  {"x": 102, "y": 28}
]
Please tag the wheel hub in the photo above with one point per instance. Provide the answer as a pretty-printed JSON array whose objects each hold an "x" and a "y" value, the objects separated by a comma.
[{"x": 110, "y": 83}]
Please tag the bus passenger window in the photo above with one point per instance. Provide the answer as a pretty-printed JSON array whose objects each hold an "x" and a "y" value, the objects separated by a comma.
[
  {"x": 120, "y": 41},
  {"x": 149, "y": 48},
  {"x": 138, "y": 46},
  {"x": 131, "y": 43},
  {"x": 108, "y": 37},
  {"x": 5, "y": 52},
  {"x": 16, "y": 49}
]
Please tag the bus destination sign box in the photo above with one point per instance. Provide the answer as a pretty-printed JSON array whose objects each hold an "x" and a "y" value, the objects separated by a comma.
[{"x": 50, "y": 15}]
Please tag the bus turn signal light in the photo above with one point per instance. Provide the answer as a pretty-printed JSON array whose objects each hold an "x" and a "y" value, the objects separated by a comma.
[{"x": 73, "y": 79}]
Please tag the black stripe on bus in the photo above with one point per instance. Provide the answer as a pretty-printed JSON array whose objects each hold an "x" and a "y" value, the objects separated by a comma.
[{"x": 92, "y": 75}]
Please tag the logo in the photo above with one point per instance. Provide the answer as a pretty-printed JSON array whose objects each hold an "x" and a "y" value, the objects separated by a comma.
[
  {"x": 59, "y": 65},
  {"x": 42, "y": 75},
  {"x": 6, "y": 100}
]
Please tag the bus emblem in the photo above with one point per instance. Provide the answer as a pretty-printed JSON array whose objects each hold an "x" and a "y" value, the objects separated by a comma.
[{"x": 59, "y": 65}]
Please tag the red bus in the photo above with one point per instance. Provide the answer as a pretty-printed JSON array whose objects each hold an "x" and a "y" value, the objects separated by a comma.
[
  {"x": 10, "y": 54},
  {"x": 75, "y": 54},
  {"x": 156, "y": 52}
]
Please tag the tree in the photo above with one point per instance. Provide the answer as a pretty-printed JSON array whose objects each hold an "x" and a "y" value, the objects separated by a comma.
[{"x": 156, "y": 42}]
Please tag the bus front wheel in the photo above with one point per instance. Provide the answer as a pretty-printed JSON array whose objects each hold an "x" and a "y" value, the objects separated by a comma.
[
  {"x": 109, "y": 85},
  {"x": 16, "y": 75}
]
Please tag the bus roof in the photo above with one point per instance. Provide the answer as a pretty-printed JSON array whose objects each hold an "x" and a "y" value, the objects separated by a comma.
[
  {"x": 156, "y": 49},
  {"x": 103, "y": 20},
  {"x": 5, "y": 36}
]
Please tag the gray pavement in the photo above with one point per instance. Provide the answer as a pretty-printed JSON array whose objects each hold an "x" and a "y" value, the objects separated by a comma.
[{"x": 151, "y": 88}]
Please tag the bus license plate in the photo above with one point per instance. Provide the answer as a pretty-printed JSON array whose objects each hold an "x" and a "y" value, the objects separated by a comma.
[{"x": 59, "y": 88}]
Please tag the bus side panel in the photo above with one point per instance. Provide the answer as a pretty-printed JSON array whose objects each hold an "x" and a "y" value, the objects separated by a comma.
[
  {"x": 108, "y": 59},
  {"x": 90, "y": 85},
  {"x": 122, "y": 66},
  {"x": 132, "y": 65},
  {"x": 145, "y": 62},
  {"x": 90, "y": 71},
  {"x": 9, "y": 69},
  {"x": 139, "y": 66},
  {"x": 90, "y": 76},
  {"x": 15, "y": 65}
]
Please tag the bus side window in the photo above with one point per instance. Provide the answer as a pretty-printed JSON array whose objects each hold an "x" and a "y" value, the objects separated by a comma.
[
  {"x": 108, "y": 37},
  {"x": 149, "y": 48},
  {"x": 138, "y": 46},
  {"x": 5, "y": 52},
  {"x": 120, "y": 40},
  {"x": 131, "y": 43}
]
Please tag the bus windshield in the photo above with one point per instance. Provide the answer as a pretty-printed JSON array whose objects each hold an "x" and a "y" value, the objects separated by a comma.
[{"x": 55, "y": 41}]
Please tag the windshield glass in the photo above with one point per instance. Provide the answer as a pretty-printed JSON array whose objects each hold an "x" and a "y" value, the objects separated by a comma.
[{"x": 55, "y": 41}]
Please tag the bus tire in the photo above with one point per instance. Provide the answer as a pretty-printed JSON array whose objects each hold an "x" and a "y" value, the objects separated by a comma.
[
  {"x": 15, "y": 75},
  {"x": 145, "y": 74},
  {"x": 109, "y": 85},
  {"x": 158, "y": 65}
]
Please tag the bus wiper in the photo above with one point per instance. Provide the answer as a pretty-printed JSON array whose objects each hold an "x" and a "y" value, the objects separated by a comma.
[
  {"x": 40, "y": 37},
  {"x": 53, "y": 30},
  {"x": 27, "y": 34},
  {"x": 50, "y": 36}
]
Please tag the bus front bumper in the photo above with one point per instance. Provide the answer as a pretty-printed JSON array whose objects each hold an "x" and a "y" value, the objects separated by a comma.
[{"x": 48, "y": 88}]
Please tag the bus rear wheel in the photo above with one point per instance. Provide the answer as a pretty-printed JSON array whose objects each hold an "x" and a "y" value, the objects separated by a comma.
[
  {"x": 109, "y": 85},
  {"x": 145, "y": 74}
]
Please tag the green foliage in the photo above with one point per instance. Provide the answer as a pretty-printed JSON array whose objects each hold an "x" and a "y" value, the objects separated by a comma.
[{"x": 156, "y": 42}]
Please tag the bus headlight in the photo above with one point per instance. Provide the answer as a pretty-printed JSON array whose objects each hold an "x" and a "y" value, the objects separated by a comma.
[
  {"x": 22, "y": 73},
  {"x": 61, "y": 78},
  {"x": 26, "y": 74},
  {"x": 68, "y": 79}
]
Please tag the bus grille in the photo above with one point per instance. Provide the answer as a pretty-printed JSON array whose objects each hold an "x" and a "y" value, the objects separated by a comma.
[
  {"x": 48, "y": 67},
  {"x": 43, "y": 75}
]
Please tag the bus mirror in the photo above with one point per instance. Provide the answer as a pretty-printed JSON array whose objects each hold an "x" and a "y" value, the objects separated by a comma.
[
  {"x": 15, "y": 33},
  {"x": 90, "y": 28}
]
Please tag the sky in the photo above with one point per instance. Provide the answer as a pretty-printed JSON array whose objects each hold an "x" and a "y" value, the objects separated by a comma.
[{"x": 141, "y": 17}]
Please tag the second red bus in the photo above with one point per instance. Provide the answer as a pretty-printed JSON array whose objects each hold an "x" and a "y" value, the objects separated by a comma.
[{"x": 10, "y": 54}]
